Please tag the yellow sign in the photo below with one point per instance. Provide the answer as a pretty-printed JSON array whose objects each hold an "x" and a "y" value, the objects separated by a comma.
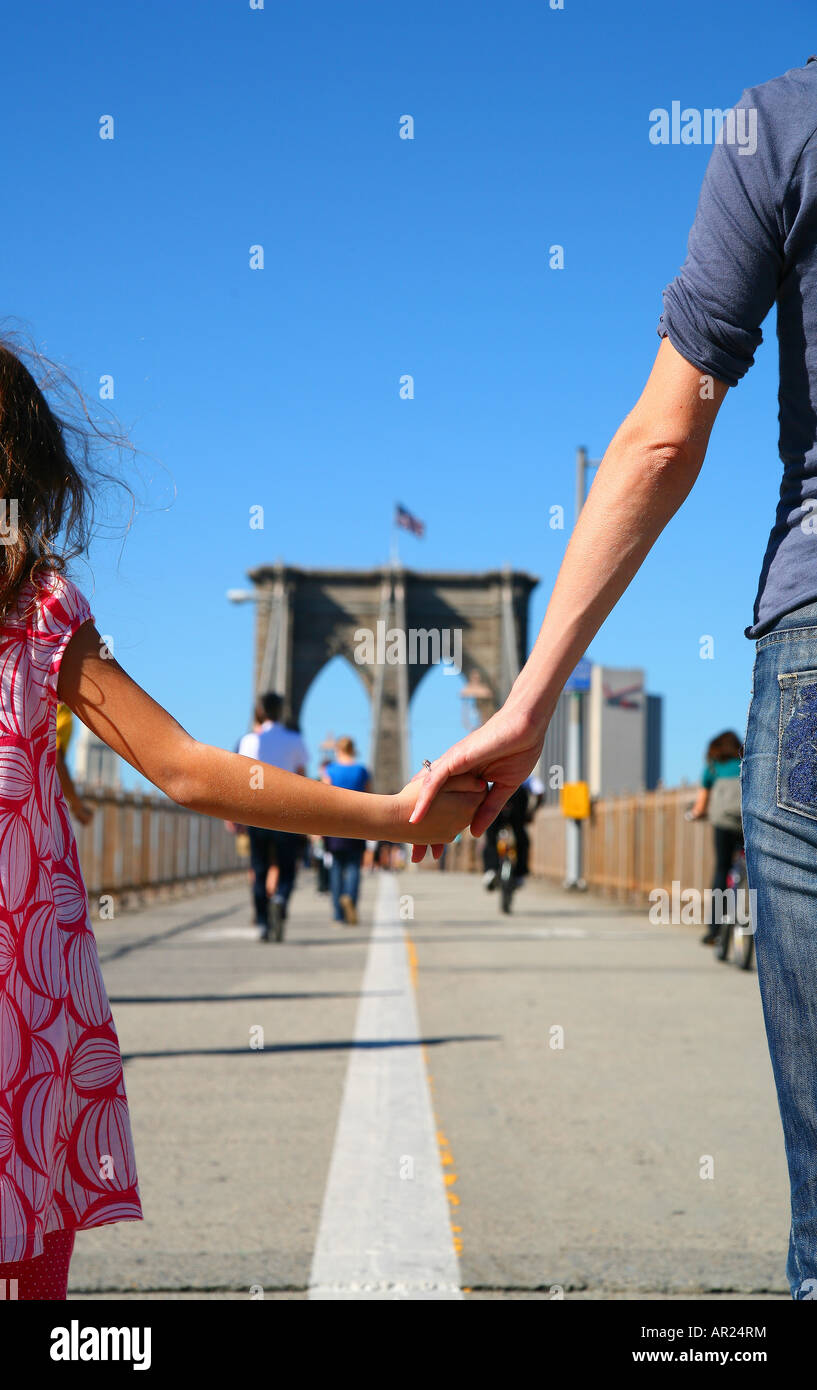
[{"x": 574, "y": 800}]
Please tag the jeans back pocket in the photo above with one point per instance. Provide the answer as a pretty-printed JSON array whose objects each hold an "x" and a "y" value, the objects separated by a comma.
[{"x": 797, "y": 743}]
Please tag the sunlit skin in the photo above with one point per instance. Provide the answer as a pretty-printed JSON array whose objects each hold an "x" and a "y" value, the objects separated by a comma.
[{"x": 217, "y": 783}]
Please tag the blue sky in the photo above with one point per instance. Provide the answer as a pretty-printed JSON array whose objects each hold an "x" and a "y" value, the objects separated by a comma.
[{"x": 383, "y": 256}]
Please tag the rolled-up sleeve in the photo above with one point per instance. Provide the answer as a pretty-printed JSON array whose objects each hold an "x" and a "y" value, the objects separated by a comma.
[{"x": 714, "y": 308}]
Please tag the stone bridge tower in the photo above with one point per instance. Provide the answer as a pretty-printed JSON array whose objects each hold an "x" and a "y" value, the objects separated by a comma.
[{"x": 391, "y": 624}]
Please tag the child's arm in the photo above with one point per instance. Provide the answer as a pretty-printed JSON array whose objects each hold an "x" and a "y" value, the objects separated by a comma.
[{"x": 228, "y": 785}]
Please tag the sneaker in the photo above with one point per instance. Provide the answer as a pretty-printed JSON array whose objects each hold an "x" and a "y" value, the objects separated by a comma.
[
  {"x": 276, "y": 920},
  {"x": 489, "y": 879},
  {"x": 349, "y": 910}
]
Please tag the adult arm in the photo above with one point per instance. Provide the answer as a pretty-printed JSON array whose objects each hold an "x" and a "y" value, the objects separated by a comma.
[
  {"x": 647, "y": 472},
  {"x": 711, "y": 326}
]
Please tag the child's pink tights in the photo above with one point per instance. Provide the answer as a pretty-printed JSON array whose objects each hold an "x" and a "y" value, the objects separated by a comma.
[{"x": 45, "y": 1277}]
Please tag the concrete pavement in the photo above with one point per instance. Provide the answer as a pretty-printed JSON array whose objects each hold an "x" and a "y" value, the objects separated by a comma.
[{"x": 583, "y": 1069}]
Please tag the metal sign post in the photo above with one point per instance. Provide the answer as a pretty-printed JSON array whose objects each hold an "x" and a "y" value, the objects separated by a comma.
[{"x": 577, "y": 683}]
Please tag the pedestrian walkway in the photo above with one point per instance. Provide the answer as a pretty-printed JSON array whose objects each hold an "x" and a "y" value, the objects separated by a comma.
[{"x": 578, "y": 1070}]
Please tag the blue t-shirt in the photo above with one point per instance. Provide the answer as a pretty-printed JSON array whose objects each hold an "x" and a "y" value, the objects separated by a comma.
[
  {"x": 754, "y": 244},
  {"x": 354, "y": 777}
]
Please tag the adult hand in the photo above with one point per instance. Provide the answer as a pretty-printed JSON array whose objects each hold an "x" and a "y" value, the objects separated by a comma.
[
  {"x": 504, "y": 751},
  {"x": 453, "y": 809}
]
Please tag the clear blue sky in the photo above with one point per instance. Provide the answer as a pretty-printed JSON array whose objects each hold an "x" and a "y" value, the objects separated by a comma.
[{"x": 383, "y": 256}]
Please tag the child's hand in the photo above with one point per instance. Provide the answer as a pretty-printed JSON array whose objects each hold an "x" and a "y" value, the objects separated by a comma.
[{"x": 452, "y": 809}]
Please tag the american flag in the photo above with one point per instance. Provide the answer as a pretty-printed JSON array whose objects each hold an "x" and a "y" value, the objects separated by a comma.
[{"x": 409, "y": 522}]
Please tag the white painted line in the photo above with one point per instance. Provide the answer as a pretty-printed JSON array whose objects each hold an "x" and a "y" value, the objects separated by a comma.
[
  {"x": 385, "y": 1231},
  {"x": 226, "y": 933}
]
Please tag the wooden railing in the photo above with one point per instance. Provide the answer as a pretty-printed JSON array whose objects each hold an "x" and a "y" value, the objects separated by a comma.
[
  {"x": 138, "y": 845},
  {"x": 631, "y": 845}
]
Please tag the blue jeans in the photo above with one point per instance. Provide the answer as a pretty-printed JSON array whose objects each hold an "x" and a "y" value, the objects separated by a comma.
[
  {"x": 779, "y": 790},
  {"x": 344, "y": 877}
]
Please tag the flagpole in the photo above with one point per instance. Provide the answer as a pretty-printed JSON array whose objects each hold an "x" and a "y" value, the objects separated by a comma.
[{"x": 394, "y": 558}]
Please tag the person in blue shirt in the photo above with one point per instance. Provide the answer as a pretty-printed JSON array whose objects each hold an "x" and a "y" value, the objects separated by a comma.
[{"x": 344, "y": 870}]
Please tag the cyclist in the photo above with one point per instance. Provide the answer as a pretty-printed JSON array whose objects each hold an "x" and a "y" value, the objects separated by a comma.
[
  {"x": 516, "y": 813},
  {"x": 719, "y": 801}
]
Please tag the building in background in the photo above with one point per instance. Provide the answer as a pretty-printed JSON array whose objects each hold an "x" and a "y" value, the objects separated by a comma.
[
  {"x": 621, "y": 735},
  {"x": 655, "y": 732},
  {"x": 96, "y": 765}
]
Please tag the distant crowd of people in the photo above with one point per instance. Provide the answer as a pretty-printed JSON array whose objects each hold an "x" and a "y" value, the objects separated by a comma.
[{"x": 275, "y": 855}]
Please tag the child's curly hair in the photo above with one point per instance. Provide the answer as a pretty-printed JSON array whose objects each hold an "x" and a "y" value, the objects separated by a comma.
[{"x": 47, "y": 475}]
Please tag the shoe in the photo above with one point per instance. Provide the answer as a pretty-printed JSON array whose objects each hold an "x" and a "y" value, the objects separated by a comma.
[
  {"x": 708, "y": 939},
  {"x": 276, "y": 920},
  {"x": 489, "y": 879},
  {"x": 349, "y": 910}
]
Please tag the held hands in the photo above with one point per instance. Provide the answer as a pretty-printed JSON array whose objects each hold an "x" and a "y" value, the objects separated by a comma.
[
  {"x": 504, "y": 751},
  {"x": 453, "y": 809}
]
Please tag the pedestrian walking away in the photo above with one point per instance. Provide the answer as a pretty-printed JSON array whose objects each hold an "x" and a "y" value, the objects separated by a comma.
[
  {"x": 347, "y": 854},
  {"x": 273, "y": 853}
]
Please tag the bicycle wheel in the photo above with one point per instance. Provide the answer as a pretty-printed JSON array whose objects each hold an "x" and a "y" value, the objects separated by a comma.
[
  {"x": 506, "y": 885},
  {"x": 724, "y": 941},
  {"x": 744, "y": 948},
  {"x": 744, "y": 939}
]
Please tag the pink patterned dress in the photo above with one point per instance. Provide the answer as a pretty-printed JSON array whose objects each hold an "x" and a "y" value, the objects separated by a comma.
[{"x": 66, "y": 1154}]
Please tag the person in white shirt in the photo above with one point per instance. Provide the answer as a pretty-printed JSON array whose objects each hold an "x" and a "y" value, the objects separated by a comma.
[{"x": 272, "y": 742}]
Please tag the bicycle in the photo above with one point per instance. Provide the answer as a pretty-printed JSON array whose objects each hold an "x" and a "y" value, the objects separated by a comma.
[
  {"x": 508, "y": 880},
  {"x": 736, "y": 936}
]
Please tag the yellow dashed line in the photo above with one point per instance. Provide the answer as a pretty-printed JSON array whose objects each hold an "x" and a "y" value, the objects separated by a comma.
[
  {"x": 446, "y": 1157},
  {"x": 412, "y": 956}
]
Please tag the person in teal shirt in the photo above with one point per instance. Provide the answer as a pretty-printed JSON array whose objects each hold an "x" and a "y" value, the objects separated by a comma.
[{"x": 722, "y": 807}]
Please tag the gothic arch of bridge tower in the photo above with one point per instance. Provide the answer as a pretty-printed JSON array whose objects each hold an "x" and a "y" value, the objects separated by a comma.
[{"x": 305, "y": 617}]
